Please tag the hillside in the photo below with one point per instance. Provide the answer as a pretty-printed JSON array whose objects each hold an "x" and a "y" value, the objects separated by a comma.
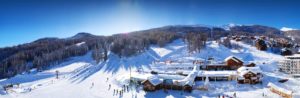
[
  {"x": 81, "y": 76},
  {"x": 45, "y": 52}
]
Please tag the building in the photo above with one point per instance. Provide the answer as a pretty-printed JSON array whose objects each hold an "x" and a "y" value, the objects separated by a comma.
[
  {"x": 290, "y": 65},
  {"x": 216, "y": 75},
  {"x": 249, "y": 75},
  {"x": 186, "y": 84},
  {"x": 230, "y": 63},
  {"x": 152, "y": 83},
  {"x": 233, "y": 62},
  {"x": 280, "y": 91}
]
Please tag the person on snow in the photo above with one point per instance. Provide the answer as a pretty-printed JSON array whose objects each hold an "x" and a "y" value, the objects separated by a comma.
[
  {"x": 92, "y": 85},
  {"x": 109, "y": 86}
]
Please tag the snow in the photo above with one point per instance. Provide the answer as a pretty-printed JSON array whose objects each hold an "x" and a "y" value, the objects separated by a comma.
[
  {"x": 79, "y": 44},
  {"x": 155, "y": 80},
  {"x": 233, "y": 58},
  {"x": 216, "y": 73},
  {"x": 295, "y": 56},
  {"x": 188, "y": 80},
  {"x": 243, "y": 70},
  {"x": 81, "y": 77},
  {"x": 287, "y": 29},
  {"x": 230, "y": 25},
  {"x": 279, "y": 88}
]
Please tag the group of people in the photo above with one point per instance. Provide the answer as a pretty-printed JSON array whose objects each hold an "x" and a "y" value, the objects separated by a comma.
[
  {"x": 121, "y": 92},
  {"x": 227, "y": 96}
]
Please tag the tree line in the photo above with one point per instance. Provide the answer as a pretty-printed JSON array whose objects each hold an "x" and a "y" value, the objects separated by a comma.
[{"x": 45, "y": 52}]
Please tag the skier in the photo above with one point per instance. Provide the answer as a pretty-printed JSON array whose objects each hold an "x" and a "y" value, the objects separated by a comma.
[
  {"x": 109, "y": 87},
  {"x": 92, "y": 85},
  {"x": 114, "y": 91},
  {"x": 127, "y": 88},
  {"x": 234, "y": 94}
]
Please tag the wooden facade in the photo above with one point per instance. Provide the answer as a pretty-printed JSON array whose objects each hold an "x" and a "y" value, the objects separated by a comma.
[
  {"x": 250, "y": 65},
  {"x": 234, "y": 63},
  {"x": 231, "y": 63},
  {"x": 216, "y": 78},
  {"x": 148, "y": 86},
  {"x": 215, "y": 67},
  {"x": 250, "y": 78},
  {"x": 166, "y": 85}
]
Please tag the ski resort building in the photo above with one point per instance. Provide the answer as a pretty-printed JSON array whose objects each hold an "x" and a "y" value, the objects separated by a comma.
[
  {"x": 167, "y": 74},
  {"x": 154, "y": 83},
  {"x": 230, "y": 63},
  {"x": 216, "y": 75},
  {"x": 249, "y": 75},
  {"x": 290, "y": 65},
  {"x": 280, "y": 91}
]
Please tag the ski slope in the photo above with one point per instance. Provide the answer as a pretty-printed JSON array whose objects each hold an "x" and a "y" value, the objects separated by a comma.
[{"x": 81, "y": 77}]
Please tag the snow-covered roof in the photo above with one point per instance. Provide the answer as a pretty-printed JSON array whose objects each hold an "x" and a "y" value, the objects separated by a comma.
[
  {"x": 173, "y": 64},
  {"x": 188, "y": 80},
  {"x": 217, "y": 64},
  {"x": 233, "y": 58},
  {"x": 244, "y": 70},
  {"x": 295, "y": 56},
  {"x": 279, "y": 88},
  {"x": 216, "y": 73},
  {"x": 155, "y": 80}
]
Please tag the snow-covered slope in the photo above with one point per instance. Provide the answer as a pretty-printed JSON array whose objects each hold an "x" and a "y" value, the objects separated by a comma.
[
  {"x": 81, "y": 77},
  {"x": 287, "y": 29}
]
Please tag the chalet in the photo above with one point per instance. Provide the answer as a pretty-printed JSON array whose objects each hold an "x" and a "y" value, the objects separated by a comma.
[
  {"x": 280, "y": 91},
  {"x": 187, "y": 83},
  {"x": 286, "y": 52},
  {"x": 251, "y": 65},
  {"x": 249, "y": 75},
  {"x": 231, "y": 63},
  {"x": 152, "y": 83},
  {"x": 238, "y": 39}
]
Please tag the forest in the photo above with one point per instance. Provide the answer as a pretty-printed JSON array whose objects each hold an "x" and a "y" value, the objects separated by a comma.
[{"x": 45, "y": 52}]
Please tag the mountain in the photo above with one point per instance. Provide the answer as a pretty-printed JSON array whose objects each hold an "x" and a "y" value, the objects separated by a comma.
[
  {"x": 81, "y": 76},
  {"x": 82, "y": 35},
  {"x": 293, "y": 34},
  {"x": 255, "y": 29},
  {"x": 45, "y": 52}
]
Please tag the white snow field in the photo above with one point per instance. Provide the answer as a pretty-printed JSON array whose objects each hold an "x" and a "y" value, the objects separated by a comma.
[{"x": 81, "y": 77}]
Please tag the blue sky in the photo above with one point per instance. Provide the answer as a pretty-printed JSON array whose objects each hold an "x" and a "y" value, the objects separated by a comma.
[{"x": 23, "y": 21}]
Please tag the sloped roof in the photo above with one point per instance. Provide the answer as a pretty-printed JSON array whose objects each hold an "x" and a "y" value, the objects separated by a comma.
[
  {"x": 154, "y": 80},
  {"x": 216, "y": 73},
  {"x": 233, "y": 58},
  {"x": 188, "y": 80},
  {"x": 279, "y": 88},
  {"x": 244, "y": 70}
]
